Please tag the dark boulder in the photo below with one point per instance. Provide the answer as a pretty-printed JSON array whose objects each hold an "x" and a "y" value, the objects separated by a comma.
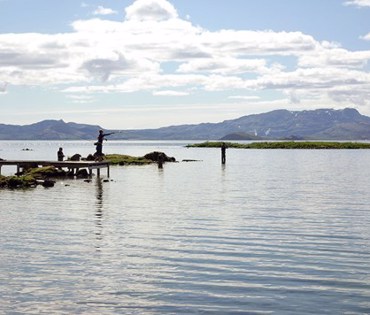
[
  {"x": 83, "y": 173},
  {"x": 98, "y": 157},
  {"x": 90, "y": 157},
  {"x": 48, "y": 183},
  {"x": 15, "y": 182},
  {"x": 159, "y": 157},
  {"x": 75, "y": 157}
]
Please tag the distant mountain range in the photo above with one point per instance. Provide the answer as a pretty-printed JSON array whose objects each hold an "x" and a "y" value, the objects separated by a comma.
[
  {"x": 49, "y": 130},
  {"x": 320, "y": 124}
]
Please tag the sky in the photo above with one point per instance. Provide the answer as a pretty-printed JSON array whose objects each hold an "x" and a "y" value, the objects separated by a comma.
[{"x": 138, "y": 64}]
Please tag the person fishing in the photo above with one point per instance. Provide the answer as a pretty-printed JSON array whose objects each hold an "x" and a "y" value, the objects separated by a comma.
[{"x": 99, "y": 143}]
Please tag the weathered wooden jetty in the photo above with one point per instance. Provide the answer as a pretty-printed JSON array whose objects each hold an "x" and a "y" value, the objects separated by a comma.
[{"x": 70, "y": 165}]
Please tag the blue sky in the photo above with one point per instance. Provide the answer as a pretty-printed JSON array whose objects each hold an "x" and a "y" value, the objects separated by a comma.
[{"x": 129, "y": 64}]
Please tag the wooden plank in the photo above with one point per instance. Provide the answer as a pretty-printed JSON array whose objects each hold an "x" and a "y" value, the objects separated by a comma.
[
  {"x": 90, "y": 165},
  {"x": 75, "y": 164}
]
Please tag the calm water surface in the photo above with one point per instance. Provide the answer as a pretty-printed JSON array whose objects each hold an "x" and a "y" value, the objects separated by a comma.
[{"x": 272, "y": 232}]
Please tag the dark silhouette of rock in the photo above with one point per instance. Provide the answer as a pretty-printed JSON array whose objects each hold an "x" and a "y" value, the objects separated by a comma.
[
  {"x": 159, "y": 157},
  {"x": 75, "y": 157},
  {"x": 83, "y": 173},
  {"x": 48, "y": 183},
  {"x": 14, "y": 182},
  {"x": 98, "y": 156},
  {"x": 90, "y": 157}
]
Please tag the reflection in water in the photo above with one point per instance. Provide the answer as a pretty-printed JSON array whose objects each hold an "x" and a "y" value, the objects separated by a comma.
[
  {"x": 99, "y": 210},
  {"x": 282, "y": 231}
]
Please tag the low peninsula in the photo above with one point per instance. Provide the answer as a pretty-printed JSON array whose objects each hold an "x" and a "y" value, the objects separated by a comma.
[
  {"x": 32, "y": 176},
  {"x": 321, "y": 145}
]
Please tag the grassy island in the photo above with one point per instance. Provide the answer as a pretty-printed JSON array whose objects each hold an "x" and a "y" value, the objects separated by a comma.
[
  {"x": 284, "y": 145},
  {"x": 121, "y": 159}
]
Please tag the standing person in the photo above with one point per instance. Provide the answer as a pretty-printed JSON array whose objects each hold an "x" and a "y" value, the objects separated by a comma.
[
  {"x": 99, "y": 143},
  {"x": 60, "y": 154},
  {"x": 223, "y": 153}
]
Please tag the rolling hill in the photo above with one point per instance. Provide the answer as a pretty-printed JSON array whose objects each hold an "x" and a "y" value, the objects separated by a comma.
[{"x": 321, "y": 124}]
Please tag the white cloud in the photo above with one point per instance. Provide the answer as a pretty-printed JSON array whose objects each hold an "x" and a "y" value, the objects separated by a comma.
[
  {"x": 144, "y": 82},
  {"x": 3, "y": 87},
  {"x": 103, "y": 56},
  {"x": 245, "y": 98},
  {"x": 247, "y": 43},
  {"x": 358, "y": 3},
  {"x": 223, "y": 65},
  {"x": 104, "y": 11},
  {"x": 81, "y": 99},
  {"x": 366, "y": 37},
  {"x": 337, "y": 57},
  {"x": 158, "y": 10},
  {"x": 170, "y": 93}
]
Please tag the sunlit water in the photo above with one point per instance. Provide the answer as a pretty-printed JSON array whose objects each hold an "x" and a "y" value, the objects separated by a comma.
[{"x": 273, "y": 231}]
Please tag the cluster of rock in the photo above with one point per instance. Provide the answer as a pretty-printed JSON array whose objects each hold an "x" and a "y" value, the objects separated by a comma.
[
  {"x": 90, "y": 157},
  {"x": 39, "y": 176},
  {"x": 33, "y": 176},
  {"x": 159, "y": 157},
  {"x": 153, "y": 156}
]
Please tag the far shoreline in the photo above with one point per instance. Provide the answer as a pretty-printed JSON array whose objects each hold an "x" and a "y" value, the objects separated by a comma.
[{"x": 311, "y": 145}]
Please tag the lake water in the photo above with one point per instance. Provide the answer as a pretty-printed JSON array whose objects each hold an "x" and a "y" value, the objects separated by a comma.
[{"x": 272, "y": 232}]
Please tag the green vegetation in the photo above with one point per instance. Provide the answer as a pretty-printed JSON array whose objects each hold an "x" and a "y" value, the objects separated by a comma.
[
  {"x": 285, "y": 145},
  {"x": 120, "y": 159},
  {"x": 24, "y": 181},
  {"x": 46, "y": 171},
  {"x": 32, "y": 177}
]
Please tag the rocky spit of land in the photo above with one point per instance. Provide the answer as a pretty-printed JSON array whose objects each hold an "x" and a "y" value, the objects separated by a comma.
[{"x": 47, "y": 176}]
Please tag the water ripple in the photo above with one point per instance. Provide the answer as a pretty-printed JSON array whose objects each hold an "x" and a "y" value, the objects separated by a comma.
[{"x": 193, "y": 239}]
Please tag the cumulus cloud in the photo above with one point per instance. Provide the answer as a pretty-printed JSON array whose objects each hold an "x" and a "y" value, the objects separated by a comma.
[
  {"x": 81, "y": 99},
  {"x": 170, "y": 93},
  {"x": 3, "y": 86},
  {"x": 157, "y": 10},
  {"x": 223, "y": 65},
  {"x": 245, "y": 98},
  {"x": 104, "y": 11},
  {"x": 358, "y": 3},
  {"x": 116, "y": 65},
  {"x": 101, "y": 55},
  {"x": 366, "y": 37}
]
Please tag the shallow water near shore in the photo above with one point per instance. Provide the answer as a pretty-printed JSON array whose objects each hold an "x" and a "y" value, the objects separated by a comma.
[{"x": 271, "y": 232}]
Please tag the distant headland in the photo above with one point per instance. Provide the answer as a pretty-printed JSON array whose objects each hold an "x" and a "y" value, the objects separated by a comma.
[{"x": 308, "y": 145}]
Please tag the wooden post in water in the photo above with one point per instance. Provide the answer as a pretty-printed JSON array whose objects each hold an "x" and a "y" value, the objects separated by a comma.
[{"x": 223, "y": 153}]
